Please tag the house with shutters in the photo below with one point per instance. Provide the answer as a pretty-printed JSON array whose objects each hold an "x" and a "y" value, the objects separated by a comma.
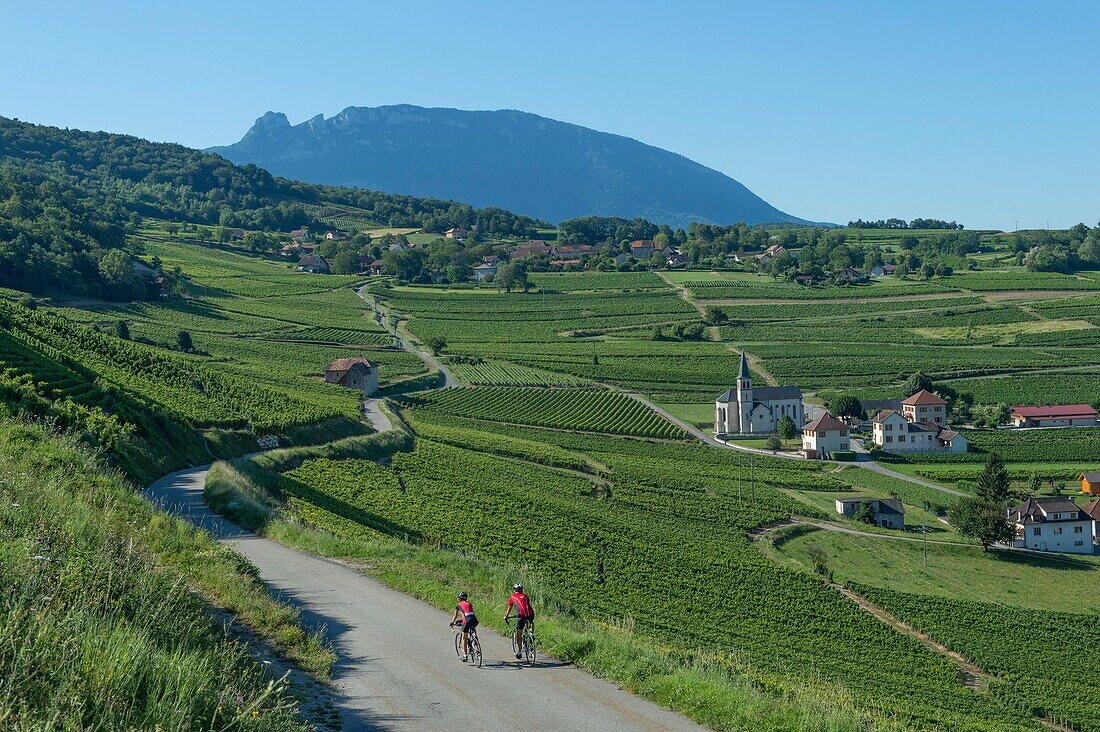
[
  {"x": 749, "y": 410},
  {"x": 1053, "y": 525},
  {"x": 893, "y": 431},
  {"x": 354, "y": 373},
  {"x": 823, "y": 437},
  {"x": 924, "y": 406}
]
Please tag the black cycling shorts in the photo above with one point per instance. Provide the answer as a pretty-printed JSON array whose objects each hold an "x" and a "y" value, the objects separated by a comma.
[
  {"x": 469, "y": 625},
  {"x": 522, "y": 623}
]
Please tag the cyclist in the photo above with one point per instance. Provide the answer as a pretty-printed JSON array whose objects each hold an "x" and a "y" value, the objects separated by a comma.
[
  {"x": 465, "y": 617},
  {"x": 525, "y": 614}
]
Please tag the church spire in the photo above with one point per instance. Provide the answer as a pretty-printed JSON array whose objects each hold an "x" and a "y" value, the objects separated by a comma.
[{"x": 744, "y": 371}]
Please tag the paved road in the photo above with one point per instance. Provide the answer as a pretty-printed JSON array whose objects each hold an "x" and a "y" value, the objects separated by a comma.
[
  {"x": 372, "y": 412},
  {"x": 397, "y": 669}
]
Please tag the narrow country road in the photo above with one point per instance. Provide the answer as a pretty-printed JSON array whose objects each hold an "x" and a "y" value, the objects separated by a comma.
[
  {"x": 397, "y": 668},
  {"x": 403, "y": 342}
]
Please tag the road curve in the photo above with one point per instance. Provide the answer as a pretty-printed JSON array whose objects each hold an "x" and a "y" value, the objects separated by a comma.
[
  {"x": 397, "y": 668},
  {"x": 403, "y": 342}
]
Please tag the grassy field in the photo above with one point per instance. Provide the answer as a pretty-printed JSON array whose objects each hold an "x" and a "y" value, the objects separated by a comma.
[{"x": 1056, "y": 582}]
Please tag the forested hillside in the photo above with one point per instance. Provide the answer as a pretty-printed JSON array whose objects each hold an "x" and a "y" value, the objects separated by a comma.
[{"x": 69, "y": 197}]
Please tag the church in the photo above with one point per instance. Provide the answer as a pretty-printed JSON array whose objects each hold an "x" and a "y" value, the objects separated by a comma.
[{"x": 745, "y": 410}]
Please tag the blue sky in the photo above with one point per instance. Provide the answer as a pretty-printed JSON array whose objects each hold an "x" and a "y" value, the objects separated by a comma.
[{"x": 980, "y": 111}]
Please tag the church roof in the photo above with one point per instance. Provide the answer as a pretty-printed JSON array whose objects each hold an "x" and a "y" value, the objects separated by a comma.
[
  {"x": 771, "y": 393},
  {"x": 729, "y": 395},
  {"x": 744, "y": 372}
]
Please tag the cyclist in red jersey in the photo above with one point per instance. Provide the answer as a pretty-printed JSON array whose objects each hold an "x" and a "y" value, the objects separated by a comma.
[
  {"x": 464, "y": 616},
  {"x": 524, "y": 614}
]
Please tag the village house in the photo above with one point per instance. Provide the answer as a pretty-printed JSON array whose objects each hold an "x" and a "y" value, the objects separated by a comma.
[
  {"x": 677, "y": 260},
  {"x": 1059, "y": 415},
  {"x": 369, "y": 265},
  {"x": 565, "y": 263},
  {"x": 457, "y": 233},
  {"x": 485, "y": 271},
  {"x": 849, "y": 274},
  {"x": 490, "y": 259},
  {"x": 642, "y": 249},
  {"x": 748, "y": 410},
  {"x": 300, "y": 235},
  {"x": 889, "y": 513},
  {"x": 336, "y": 236},
  {"x": 313, "y": 264},
  {"x": 775, "y": 250},
  {"x": 924, "y": 406},
  {"x": 823, "y": 437},
  {"x": 881, "y": 270},
  {"x": 575, "y": 250},
  {"x": 532, "y": 249},
  {"x": 1092, "y": 510},
  {"x": 354, "y": 373},
  {"x": 1052, "y": 525},
  {"x": 892, "y": 431},
  {"x": 234, "y": 234},
  {"x": 1090, "y": 483}
]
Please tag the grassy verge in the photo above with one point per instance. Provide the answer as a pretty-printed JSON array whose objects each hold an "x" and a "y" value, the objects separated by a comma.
[
  {"x": 720, "y": 690},
  {"x": 108, "y": 606}
]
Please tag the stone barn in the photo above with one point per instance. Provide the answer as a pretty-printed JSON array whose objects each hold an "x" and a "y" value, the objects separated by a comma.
[{"x": 354, "y": 373}]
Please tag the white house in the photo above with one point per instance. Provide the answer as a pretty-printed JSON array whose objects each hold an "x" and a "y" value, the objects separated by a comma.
[
  {"x": 893, "y": 432},
  {"x": 642, "y": 249},
  {"x": 1053, "y": 525},
  {"x": 748, "y": 410},
  {"x": 824, "y": 436}
]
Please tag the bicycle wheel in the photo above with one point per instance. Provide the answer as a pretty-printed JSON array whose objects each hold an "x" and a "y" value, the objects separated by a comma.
[
  {"x": 458, "y": 645},
  {"x": 475, "y": 650},
  {"x": 515, "y": 642},
  {"x": 529, "y": 646}
]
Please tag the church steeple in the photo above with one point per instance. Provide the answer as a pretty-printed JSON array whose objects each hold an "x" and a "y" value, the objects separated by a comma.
[{"x": 744, "y": 372}]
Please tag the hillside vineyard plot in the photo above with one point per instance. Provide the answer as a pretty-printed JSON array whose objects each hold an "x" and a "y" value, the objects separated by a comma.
[
  {"x": 658, "y": 538},
  {"x": 586, "y": 410}
]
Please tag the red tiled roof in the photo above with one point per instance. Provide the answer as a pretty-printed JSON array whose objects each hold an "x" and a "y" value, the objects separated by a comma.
[
  {"x": 825, "y": 422},
  {"x": 922, "y": 397},
  {"x": 642, "y": 244},
  {"x": 1056, "y": 410}
]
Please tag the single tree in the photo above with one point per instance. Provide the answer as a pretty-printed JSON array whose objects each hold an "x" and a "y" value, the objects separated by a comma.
[
  {"x": 715, "y": 316},
  {"x": 437, "y": 345},
  {"x": 982, "y": 520},
  {"x": 847, "y": 405},
  {"x": 775, "y": 444},
  {"x": 865, "y": 513},
  {"x": 916, "y": 382},
  {"x": 787, "y": 428},
  {"x": 122, "y": 330},
  {"x": 183, "y": 339},
  {"x": 993, "y": 483},
  {"x": 512, "y": 274}
]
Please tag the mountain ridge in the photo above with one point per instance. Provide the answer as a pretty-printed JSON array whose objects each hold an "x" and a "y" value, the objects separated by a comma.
[{"x": 524, "y": 162}]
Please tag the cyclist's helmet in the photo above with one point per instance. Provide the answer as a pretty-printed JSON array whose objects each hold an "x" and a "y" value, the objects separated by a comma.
[
  {"x": 462, "y": 596},
  {"x": 517, "y": 588}
]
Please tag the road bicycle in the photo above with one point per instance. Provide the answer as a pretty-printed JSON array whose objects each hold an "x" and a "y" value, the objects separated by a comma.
[
  {"x": 529, "y": 651},
  {"x": 472, "y": 644}
]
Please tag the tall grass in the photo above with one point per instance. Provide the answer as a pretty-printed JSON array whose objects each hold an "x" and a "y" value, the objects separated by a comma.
[{"x": 102, "y": 629}]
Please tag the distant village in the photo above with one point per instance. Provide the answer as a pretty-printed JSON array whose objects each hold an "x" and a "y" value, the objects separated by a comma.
[{"x": 916, "y": 424}]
